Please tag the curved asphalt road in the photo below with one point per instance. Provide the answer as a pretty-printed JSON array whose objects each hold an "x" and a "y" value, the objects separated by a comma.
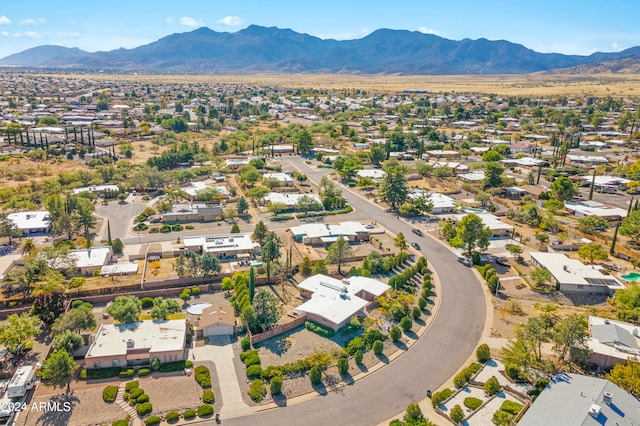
[{"x": 430, "y": 362}]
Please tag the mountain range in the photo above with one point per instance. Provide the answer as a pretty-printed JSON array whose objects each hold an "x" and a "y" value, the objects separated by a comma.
[{"x": 269, "y": 49}]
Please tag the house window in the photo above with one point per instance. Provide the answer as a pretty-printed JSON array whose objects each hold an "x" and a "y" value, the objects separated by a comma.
[{"x": 580, "y": 286}]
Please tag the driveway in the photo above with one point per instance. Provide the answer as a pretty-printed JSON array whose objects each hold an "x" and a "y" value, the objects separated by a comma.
[
  {"x": 430, "y": 362},
  {"x": 219, "y": 351},
  {"x": 120, "y": 216}
]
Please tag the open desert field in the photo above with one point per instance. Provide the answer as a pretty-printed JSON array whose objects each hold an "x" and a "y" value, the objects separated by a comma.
[{"x": 520, "y": 84}]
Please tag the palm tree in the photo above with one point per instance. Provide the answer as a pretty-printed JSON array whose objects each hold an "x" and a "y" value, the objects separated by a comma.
[{"x": 28, "y": 247}]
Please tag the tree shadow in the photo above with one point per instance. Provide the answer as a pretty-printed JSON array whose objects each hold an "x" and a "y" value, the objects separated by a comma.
[
  {"x": 363, "y": 368},
  {"x": 347, "y": 378},
  {"x": 411, "y": 334},
  {"x": 280, "y": 400},
  {"x": 321, "y": 389},
  {"x": 383, "y": 358},
  {"x": 427, "y": 312},
  {"x": 66, "y": 402},
  {"x": 420, "y": 321},
  {"x": 400, "y": 345}
]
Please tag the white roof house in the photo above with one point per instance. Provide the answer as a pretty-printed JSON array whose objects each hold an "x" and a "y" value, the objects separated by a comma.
[
  {"x": 607, "y": 181},
  {"x": 97, "y": 189},
  {"x": 472, "y": 177},
  {"x": 195, "y": 187},
  {"x": 224, "y": 245},
  {"x": 594, "y": 208},
  {"x": 498, "y": 227},
  {"x": 441, "y": 203},
  {"x": 316, "y": 233},
  {"x": 574, "y": 276},
  {"x": 283, "y": 178},
  {"x": 587, "y": 159},
  {"x": 612, "y": 342},
  {"x": 287, "y": 198},
  {"x": 28, "y": 222},
  {"x": 375, "y": 175},
  {"x": 91, "y": 259},
  {"x": 334, "y": 302},
  {"x": 525, "y": 162}
]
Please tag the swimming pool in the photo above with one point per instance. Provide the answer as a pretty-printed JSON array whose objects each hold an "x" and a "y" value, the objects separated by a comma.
[
  {"x": 631, "y": 276},
  {"x": 197, "y": 308},
  {"x": 471, "y": 210}
]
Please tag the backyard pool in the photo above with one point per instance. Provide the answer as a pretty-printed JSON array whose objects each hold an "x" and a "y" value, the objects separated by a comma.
[
  {"x": 197, "y": 308},
  {"x": 631, "y": 276},
  {"x": 471, "y": 210}
]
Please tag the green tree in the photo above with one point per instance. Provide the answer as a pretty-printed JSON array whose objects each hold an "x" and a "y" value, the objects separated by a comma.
[
  {"x": 276, "y": 385},
  {"x": 235, "y": 228},
  {"x": 395, "y": 333},
  {"x": 377, "y": 154},
  {"x": 554, "y": 206},
  {"x": 163, "y": 307},
  {"x": 270, "y": 251},
  {"x": 48, "y": 306},
  {"x": 630, "y": 227},
  {"x": 592, "y": 224},
  {"x": 491, "y": 155},
  {"x": 570, "y": 337},
  {"x": 59, "y": 369},
  {"x": 28, "y": 247},
  {"x": 117, "y": 246},
  {"x": 492, "y": 175},
  {"x": 69, "y": 341},
  {"x": 260, "y": 232},
  {"x": 242, "y": 205},
  {"x": 84, "y": 214},
  {"x": 319, "y": 268},
  {"x": 343, "y": 366},
  {"x": 125, "y": 309},
  {"x": 19, "y": 330},
  {"x": 315, "y": 375},
  {"x": 406, "y": 324},
  {"x": 563, "y": 189},
  {"x": 349, "y": 168},
  {"x": 339, "y": 252},
  {"x": 627, "y": 376},
  {"x": 377, "y": 347},
  {"x": 249, "y": 175},
  {"x": 400, "y": 242},
  {"x": 483, "y": 353},
  {"x": 9, "y": 230},
  {"x": 457, "y": 415},
  {"x": 76, "y": 319},
  {"x": 256, "y": 193},
  {"x": 592, "y": 252},
  {"x": 305, "y": 266},
  {"x": 541, "y": 275},
  {"x": 471, "y": 234},
  {"x": 393, "y": 188},
  {"x": 304, "y": 142},
  {"x": 277, "y": 208},
  {"x": 492, "y": 386},
  {"x": 307, "y": 203},
  {"x": 516, "y": 251}
]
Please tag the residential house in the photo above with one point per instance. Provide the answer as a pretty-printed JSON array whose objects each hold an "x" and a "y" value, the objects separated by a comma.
[
  {"x": 216, "y": 320},
  {"x": 612, "y": 342},
  {"x": 224, "y": 246},
  {"x": 31, "y": 222},
  {"x": 325, "y": 233},
  {"x": 181, "y": 213}
]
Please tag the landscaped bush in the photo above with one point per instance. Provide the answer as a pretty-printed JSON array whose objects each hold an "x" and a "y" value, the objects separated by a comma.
[
  {"x": 315, "y": 375},
  {"x": 176, "y": 227},
  {"x": 377, "y": 347},
  {"x": 135, "y": 393},
  {"x": 502, "y": 418},
  {"x": 343, "y": 366},
  {"x": 205, "y": 410},
  {"x": 422, "y": 303},
  {"x": 109, "y": 393},
  {"x": 461, "y": 379},
  {"x": 172, "y": 417},
  {"x": 165, "y": 229},
  {"x": 246, "y": 354},
  {"x": 189, "y": 414},
  {"x": 76, "y": 303},
  {"x": 131, "y": 386},
  {"x": 406, "y": 324},
  {"x": 142, "y": 398},
  {"x": 257, "y": 390},
  {"x": 147, "y": 302},
  {"x": 121, "y": 422},
  {"x": 187, "y": 363},
  {"x": 153, "y": 420},
  {"x": 125, "y": 374},
  {"x": 144, "y": 372},
  {"x": 492, "y": 386},
  {"x": 276, "y": 385},
  {"x": 511, "y": 407},
  {"x": 254, "y": 372},
  {"x": 245, "y": 344},
  {"x": 175, "y": 366},
  {"x": 319, "y": 329},
  {"x": 100, "y": 373},
  {"x": 144, "y": 408},
  {"x": 195, "y": 291},
  {"x": 472, "y": 403},
  {"x": 355, "y": 344},
  {"x": 208, "y": 397},
  {"x": 474, "y": 367},
  {"x": 252, "y": 360},
  {"x": 415, "y": 313},
  {"x": 439, "y": 397},
  {"x": 395, "y": 333},
  {"x": 457, "y": 415},
  {"x": 483, "y": 353},
  {"x": 357, "y": 357},
  {"x": 202, "y": 376}
]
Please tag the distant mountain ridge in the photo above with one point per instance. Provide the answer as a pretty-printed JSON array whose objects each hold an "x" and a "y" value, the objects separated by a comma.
[{"x": 270, "y": 49}]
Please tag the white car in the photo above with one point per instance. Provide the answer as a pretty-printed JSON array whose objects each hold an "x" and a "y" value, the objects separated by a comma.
[{"x": 369, "y": 226}]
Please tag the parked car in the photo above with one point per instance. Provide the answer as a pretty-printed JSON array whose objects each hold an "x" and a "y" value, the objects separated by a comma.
[
  {"x": 415, "y": 246},
  {"x": 417, "y": 232},
  {"x": 369, "y": 226}
]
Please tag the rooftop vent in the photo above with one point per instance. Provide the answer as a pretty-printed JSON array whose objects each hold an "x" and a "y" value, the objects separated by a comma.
[
  {"x": 607, "y": 397},
  {"x": 130, "y": 343},
  {"x": 606, "y": 321},
  {"x": 594, "y": 411}
]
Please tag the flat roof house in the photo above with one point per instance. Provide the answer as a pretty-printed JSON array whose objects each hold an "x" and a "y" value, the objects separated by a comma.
[
  {"x": 31, "y": 222},
  {"x": 223, "y": 245},
  {"x": 333, "y": 302},
  {"x": 575, "y": 400},
  {"x": 283, "y": 178},
  {"x": 193, "y": 213},
  {"x": 575, "y": 277},
  {"x": 441, "y": 203},
  {"x": 375, "y": 175},
  {"x": 287, "y": 198},
  {"x": 194, "y": 187},
  {"x": 612, "y": 342},
  {"x": 325, "y": 233},
  {"x": 137, "y": 343},
  {"x": 594, "y": 208},
  {"x": 498, "y": 228}
]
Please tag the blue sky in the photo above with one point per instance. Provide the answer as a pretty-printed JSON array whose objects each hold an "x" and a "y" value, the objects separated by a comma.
[{"x": 563, "y": 26}]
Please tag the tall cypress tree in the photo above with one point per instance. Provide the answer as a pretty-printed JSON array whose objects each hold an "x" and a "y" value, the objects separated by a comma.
[
  {"x": 612, "y": 249},
  {"x": 252, "y": 284},
  {"x": 593, "y": 184},
  {"x": 109, "y": 233}
]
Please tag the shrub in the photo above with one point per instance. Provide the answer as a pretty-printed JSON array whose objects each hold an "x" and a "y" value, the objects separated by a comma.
[
  {"x": 76, "y": 303},
  {"x": 195, "y": 291},
  {"x": 257, "y": 390},
  {"x": 457, "y": 415},
  {"x": 439, "y": 397},
  {"x": 100, "y": 373},
  {"x": 492, "y": 386},
  {"x": 187, "y": 363},
  {"x": 315, "y": 375},
  {"x": 176, "y": 227},
  {"x": 319, "y": 329},
  {"x": 502, "y": 418},
  {"x": 472, "y": 403},
  {"x": 135, "y": 393},
  {"x": 511, "y": 407},
  {"x": 247, "y": 354},
  {"x": 252, "y": 360},
  {"x": 131, "y": 386},
  {"x": 395, "y": 333},
  {"x": 83, "y": 374},
  {"x": 142, "y": 398},
  {"x": 422, "y": 303},
  {"x": 415, "y": 313},
  {"x": 147, "y": 302},
  {"x": 343, "y": 365},
  {"x": 406, "y": 324},
  {"x": 254, "y": 372},
  {"x": 153, "y": 420},
  {"x": 355, "y": 344},
  {"x": 172, "y": 416},
  {"x": 121, "y": 422},
  {"x": 144, "y": 372},
  {"x": 155, "y": 364},
  {"x": 109, "y": 393},
  {"x": 205, "y": 410},
  {"x": 473, "y": 368},
  {"x": 175, "y": 366},
  {"x": 125, "y": 396},
  {"x": 125, "y": 374},
  {"x": 208, "y": 397},
  {"x": 202, "y": 376},
  {"x": 461, "y": 379},
  {"x": 377, "y": 347},
  {"x": 483, "y": 353},
  {"x": 144, "y": 408},
  {"x": 357, "y": 357},
  {"x": 245, "y": 344},
  {"x": 276, "y": 385},
  {"x": 189, "y": 414}
]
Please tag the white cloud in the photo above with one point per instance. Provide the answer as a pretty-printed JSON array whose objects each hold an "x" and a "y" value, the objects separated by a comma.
[
  {"x": 364, "y": 31},
  {"x": 190, "y": 22},
  {"x": 4, "y": 20},
  {"x": 426, "y": 30},
  {"x": 27, "y": 34},
  {"x": 231, "y": 21},
  {"x": 31, "y": 22},
  {"x": 615, "y": 46},
  {"x": 168, "y": 21},
  {"x": 4, "y": 34}
]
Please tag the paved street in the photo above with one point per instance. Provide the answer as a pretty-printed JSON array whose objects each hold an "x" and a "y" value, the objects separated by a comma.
[{"x": 447, "y": 344}]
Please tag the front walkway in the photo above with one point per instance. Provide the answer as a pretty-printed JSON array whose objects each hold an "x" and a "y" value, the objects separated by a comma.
[{"x": 219, "y": 351}]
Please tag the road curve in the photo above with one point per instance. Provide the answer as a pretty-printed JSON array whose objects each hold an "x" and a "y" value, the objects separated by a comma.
[{"x": 430, "y": 362}]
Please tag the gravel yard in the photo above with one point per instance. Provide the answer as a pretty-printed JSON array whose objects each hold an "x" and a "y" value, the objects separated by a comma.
[
  {"x": 173, "y": 393},
  {"x": 87, "y": 409}
]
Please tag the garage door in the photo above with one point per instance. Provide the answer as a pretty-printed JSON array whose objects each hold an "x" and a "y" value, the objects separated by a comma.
[{"x": 218, "y": 330}]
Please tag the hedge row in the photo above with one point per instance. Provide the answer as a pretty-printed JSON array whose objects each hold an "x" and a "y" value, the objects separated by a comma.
[
  {"x": 319, "y": 329},
  {"x": 489, "y": 274},
  {"x": 439, "y": 397},
  {"x": 175, "y": 366}
]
